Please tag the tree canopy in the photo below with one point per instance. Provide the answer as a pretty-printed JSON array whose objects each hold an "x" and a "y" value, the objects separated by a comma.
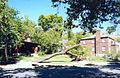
[
  {"x": 110, "y": 29},
  {"x": 47, "y": 22},
  {"x": 91, "y": 13},
  {"x": 49, "y": 33},
  {"x": 10, "y": 27}
]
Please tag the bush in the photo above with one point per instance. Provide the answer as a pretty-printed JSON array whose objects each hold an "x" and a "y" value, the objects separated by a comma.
[
  {"x": 41, "y": 53},
  {"x": 112, "y": 56},
  {"x": 96, "y": 58},
  {"x": 81, "y": 51}
]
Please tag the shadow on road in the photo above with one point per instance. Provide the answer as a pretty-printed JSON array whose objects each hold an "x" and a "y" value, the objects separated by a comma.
[{"x": 61, "y": 72}]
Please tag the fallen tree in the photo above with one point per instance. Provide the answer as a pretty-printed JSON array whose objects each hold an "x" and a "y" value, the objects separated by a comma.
[{"x": 61, "y": 53}]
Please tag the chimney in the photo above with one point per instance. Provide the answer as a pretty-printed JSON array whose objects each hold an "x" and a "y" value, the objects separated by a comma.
[
  {"x": 98, "y": 40},
  {"x": 98, "y": 34}
]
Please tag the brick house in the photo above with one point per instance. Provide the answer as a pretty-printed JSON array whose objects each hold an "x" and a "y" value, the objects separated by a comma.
[{"x": 100, "y": 44}]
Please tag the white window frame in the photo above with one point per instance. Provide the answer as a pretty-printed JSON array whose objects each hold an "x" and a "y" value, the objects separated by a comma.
[
  {"x": 84, "y": 42},
  {"x": 93, "y": 48},
  {"x": 104, "y": 40},
  {"x": 93, "y": 40},
  {"x": 103, "y": 48},
  {"x": 112, "y": 42}
]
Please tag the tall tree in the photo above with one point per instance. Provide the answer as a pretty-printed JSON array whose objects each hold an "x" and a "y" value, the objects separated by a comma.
[
  {"x": 9, "y": 28},
  {"x": 28, "y": 28},
  {"x": 49, "y": 32},
  {"x": 91, "y": 13},
  {"x": 68, "y": 25},
  {"x": 50, "y": 21}
]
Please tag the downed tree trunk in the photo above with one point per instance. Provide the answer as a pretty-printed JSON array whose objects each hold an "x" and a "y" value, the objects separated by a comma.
[
  {"x": 71, "y": 54},
  {"x": 60, "y": 53}
]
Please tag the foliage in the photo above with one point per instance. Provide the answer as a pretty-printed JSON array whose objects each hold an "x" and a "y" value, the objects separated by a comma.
[
  {"x": 40, "y": 53},
  {"x": 49, "y": 33},
  {"x": 80, "y": 35},
  {"x": 90, "y": 16},
  {"x": 118, "y": 39},
  {"x": 113, "y": 56},
  {"x": 110, "y": 29},
  {"x": 28, "y": 28},
  {"x": 10, "y": 27},
  {"x": 61, "y": 59},
  {"x": 96, "y": 58},
  {"x": 50, "y": 21},
  {"x": 79, "y": 50},
  {"x": 68, "y": 25}
]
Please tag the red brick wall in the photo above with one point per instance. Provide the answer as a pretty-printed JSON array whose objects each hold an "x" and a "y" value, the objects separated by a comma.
[
  {"x": 105, "y": 44},
  {"x": 99, "y": 44},
  {"x": 88, "y": 44}
]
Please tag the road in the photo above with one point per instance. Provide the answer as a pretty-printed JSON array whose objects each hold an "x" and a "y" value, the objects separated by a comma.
[{"x": 106, "y": 71}]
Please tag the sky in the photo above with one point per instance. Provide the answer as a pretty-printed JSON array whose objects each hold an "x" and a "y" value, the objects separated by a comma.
[{"x": 34, "y": 8}]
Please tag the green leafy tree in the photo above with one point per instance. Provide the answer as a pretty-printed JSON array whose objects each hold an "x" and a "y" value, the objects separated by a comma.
[
  {"x": 80, "y": 35},
  {"x": 49, "y": 32},
  {"x": 9, "y": 28},
  {"x": 110, "y": 29},
  {"x": 68, "y": 25},
  {"x": 28, "y": 28},
  {"x": 50, "y": 21},
  {"x": 90, "y": 16},
  {"x": 49, "y": 40}
]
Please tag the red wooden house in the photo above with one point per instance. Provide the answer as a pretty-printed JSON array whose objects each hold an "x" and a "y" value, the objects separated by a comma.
[{"x": 28, "y": 47}]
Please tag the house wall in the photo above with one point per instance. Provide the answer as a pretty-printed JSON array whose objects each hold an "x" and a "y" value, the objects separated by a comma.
[
  {"x": 98, "y": 42},
  {"x": 102, "y": 45},
  {"x": 113, "y": 46},
  {"x": 89, "y": 44}
]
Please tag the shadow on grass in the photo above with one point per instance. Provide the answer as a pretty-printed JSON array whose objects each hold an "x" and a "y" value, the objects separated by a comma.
[
  {"x": 90, "y": 64},
  {"x": 54, "y": 61},
  {"x": 58, "y": 72},
  {"x": 11, "y": 60},
  {"x": 114, "y": 61}
]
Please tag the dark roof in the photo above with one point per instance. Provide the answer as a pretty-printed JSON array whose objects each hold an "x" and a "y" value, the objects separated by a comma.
[
  {"x": 31, "y": 43},
  {"x": 93, "y": 37}
]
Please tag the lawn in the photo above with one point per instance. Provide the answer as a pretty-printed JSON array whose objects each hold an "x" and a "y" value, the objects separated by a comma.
[
  {"x": 55, "y": 60},
  {"x": 60, "y": 59}
]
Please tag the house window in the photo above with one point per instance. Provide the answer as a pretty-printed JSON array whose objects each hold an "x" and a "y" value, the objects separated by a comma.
[
  {"x": 84, "y": 42},
  {"x": 103, "y": 48},
  {"x": 93, "y": 41},
  {"x": 93, "y": 48},
  {"x": 103, "y": 40},
  {"x": 112, "y": 42},
  {"x": 112, "y": 48}
]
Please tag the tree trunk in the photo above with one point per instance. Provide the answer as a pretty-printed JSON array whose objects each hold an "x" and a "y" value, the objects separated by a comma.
[
  {"x": 6, "y": 56},
  {"x": 60, "y": 53}
]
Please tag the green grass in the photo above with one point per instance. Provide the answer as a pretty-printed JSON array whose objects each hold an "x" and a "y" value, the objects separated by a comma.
[
  {"x": 56, "y": 60},
  {"x": 97, "y": 59},
  {"x": 29, "y": 58},
  {"x": 60, "y": 59}
]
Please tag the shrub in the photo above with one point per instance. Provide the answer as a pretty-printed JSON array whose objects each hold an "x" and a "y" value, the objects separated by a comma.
[
  {"x": 41, "y": 53},
  {"x": 112, "y": 56}
]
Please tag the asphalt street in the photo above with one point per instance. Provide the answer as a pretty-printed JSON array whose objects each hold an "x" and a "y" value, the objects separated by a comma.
[{"x": 108, "y": 71}]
